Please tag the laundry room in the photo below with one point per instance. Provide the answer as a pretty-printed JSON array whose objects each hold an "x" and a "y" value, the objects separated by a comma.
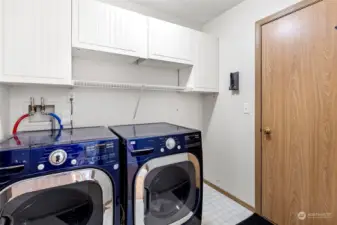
[{"x": 145, "y": 112}]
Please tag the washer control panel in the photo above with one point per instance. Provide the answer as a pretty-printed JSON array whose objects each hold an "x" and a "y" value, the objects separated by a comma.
[{"x": 75, "y": 155}]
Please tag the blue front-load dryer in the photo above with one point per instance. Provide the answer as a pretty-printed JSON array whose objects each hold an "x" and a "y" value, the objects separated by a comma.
[
  {"x": 70, "y": 177},
  {"x": 164, "y": 170}
]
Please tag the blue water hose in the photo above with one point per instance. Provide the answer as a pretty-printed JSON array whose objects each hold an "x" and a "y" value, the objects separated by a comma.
[
  {"x": 57, "y": 118},
  {"x": 60, "y": 123}
]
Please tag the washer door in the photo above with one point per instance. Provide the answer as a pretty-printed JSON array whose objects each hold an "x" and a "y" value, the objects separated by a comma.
[
  {"x": 167, "y": 190},
  {"x": 81, "y": 197}
]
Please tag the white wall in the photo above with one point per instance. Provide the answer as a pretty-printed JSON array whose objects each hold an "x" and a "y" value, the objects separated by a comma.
[
  {"x": 94, "y": 107},
  {"x": 229, "y": 133},
  {"x": 4, "y": 112},
  {"x": 154, "y": 13}
]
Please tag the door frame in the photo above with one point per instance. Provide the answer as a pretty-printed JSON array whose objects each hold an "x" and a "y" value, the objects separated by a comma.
[{"x": 258, "y": 93}]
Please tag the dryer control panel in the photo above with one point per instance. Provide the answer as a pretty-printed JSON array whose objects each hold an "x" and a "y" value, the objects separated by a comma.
[{"x": 144, "y": 148}]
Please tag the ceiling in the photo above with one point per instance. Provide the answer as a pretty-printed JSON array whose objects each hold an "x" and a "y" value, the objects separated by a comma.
[{"x": 200, "y": 11}]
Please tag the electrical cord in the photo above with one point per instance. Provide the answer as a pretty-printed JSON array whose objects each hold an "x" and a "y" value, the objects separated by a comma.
[
  {"x": 138, "y": 102},
  {"x": 71, "y": 112}
]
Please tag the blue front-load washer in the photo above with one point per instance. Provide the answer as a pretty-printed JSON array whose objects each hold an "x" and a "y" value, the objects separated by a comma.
[
  {"x": 64, "y": 178},
  {"x": 163, "y": 166}
]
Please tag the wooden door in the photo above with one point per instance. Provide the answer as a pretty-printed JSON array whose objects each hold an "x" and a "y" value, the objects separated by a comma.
[{"x": 299, "y": 105}]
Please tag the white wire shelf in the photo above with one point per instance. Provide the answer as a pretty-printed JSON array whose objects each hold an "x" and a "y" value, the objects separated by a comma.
[{"x": 126, "y": 86}]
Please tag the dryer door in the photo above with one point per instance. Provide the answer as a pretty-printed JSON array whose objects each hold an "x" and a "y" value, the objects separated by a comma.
[
  {"x": 82, "y": 197},
  {"x": 167, "y": 190}
]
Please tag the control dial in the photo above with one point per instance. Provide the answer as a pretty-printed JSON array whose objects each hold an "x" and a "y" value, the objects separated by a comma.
[
  {"x": 57, "y": 157},
  {"x": 170, "y": 143}
]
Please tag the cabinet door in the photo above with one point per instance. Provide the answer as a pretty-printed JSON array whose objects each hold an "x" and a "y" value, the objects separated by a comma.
[
  {"x": 128, "y": 31},
  {"x": 102, "y": 27},
  {"x": 207, "y": 74},
  {"x": 170, "y": 42},
  {"x": 94, "y": 22},
  {"x": 36, "y": 41}
]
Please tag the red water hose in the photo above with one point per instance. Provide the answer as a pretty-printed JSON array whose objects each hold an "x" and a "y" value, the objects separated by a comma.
[{"x": 17, "y": 123}]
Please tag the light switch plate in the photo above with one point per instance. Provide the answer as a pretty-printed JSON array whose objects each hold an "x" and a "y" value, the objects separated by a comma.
[{"x": 246, "y": 108}]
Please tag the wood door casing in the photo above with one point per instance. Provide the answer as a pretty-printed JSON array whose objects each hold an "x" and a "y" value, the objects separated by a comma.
[{"x": 299, "y": 104}]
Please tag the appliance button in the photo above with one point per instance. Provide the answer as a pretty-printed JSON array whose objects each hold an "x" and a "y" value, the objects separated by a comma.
[
  {"x": 162, "y": 150},
  {"x": 57, "y": 157},
  {"x": 179, "y": 147},
  {"x": 94, "y": 159},
  {"x": 110, "y": 145},
  {"x": 116, "y": 166},
  {"x": 170, "y": 143},
  {"x": 73, "y": 162},
  {"x": 40, "y": 167}
]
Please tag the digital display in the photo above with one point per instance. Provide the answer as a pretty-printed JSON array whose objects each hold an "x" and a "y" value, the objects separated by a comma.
[
  {"x": 98, "y": 150},
  {"x": 102, "y": 147},
  {"x": 91, "y": 151}
]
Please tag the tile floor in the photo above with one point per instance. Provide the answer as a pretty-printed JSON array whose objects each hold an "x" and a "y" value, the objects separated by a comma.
[{"x": 221, "y": 210}]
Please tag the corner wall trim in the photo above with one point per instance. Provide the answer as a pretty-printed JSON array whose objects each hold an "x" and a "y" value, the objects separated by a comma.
[{"x": 225, "y": 193}]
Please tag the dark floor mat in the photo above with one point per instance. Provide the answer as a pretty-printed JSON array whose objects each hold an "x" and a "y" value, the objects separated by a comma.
[{"x": 255, "y": 220}]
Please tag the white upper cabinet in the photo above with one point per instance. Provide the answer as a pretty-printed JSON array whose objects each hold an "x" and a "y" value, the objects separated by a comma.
[
  {"x": 170, "y": 42},
  {"x": 206, "y": 76},
  {"x": 102, "y": 27},
  {"x": 39, "y": 37},
  {"x": 93, "y": 22},
  {"x": 36, "y": 41}
]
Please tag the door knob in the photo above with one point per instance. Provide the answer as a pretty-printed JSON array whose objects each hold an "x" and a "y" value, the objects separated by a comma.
[{"x": 267, "y": 130}]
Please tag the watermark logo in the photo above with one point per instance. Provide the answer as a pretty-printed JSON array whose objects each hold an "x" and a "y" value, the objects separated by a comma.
[
  {"x": 302, "y": 215},
  {"x": 320, "y": 215}
]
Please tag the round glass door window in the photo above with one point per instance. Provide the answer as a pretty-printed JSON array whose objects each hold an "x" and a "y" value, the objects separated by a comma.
[
  {"x": 170, "y": 193},
  {"x": 74, "y": 204}
]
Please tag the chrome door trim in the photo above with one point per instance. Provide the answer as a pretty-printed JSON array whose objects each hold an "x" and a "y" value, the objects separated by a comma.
[
  {"x": 61, "y": 179},
  {"x": 147, "y": 168}
]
